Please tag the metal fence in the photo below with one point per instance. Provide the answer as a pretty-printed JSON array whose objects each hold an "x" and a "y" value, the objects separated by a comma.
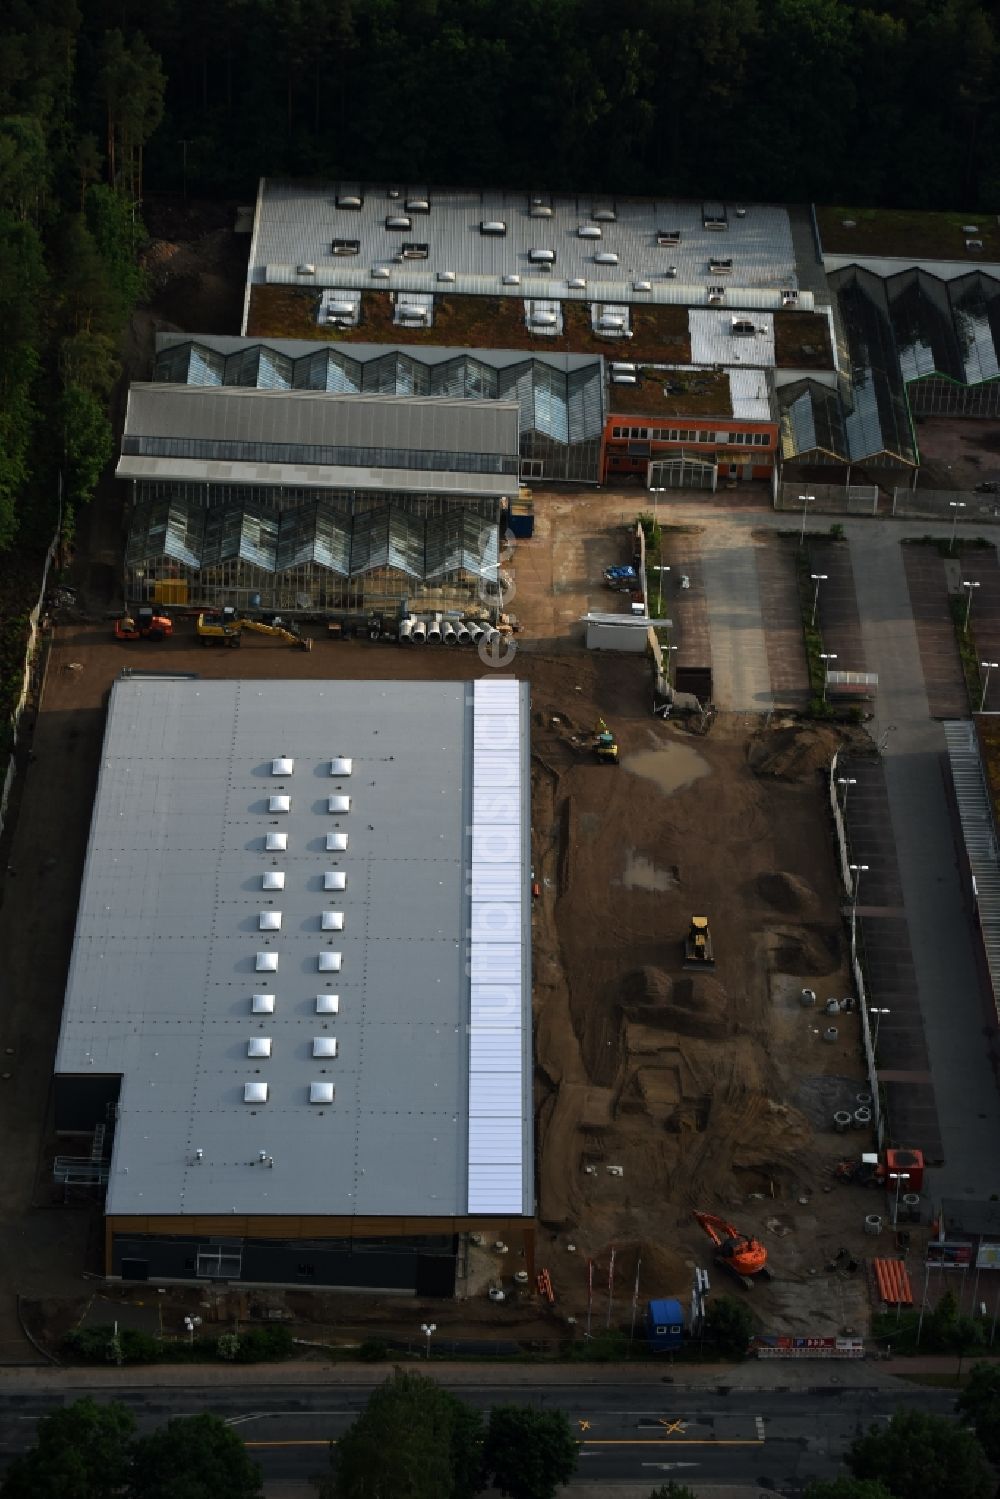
[
  {"x": 866, "y": 1034},
  {"x": 828, "y": 499},
  {"x": 30, "y": 658},
  {"x": 963, "y": 505}
]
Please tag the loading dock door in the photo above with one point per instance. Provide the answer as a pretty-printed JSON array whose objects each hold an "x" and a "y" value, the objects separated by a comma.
[{"x": 685, "y": 471}]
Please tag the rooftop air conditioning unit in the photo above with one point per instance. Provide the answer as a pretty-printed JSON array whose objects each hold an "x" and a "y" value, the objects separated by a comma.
[
  {"x": 418, "y": 205},
  {"x": 671, "y": 272},
  {"x": 511, "y": 280},
  {"x": 539, "y": 210},
  {"x": 414, "y": 251},
  {"x": 577, "y": 283},
  {"x": 741, "y": 213},
  {"x": 346, "y": 246},
  {"x": 349, "y": 200},
  {"x": 589, "y": 231},
  {"x": 642, "y": 286},
  {"x": 542, "y": 257},
  {"x": 605, "y": 215},
  {"x": 668, "y": 237},
  {"x": 398, "y": 221},
  {"x": 743, "y": 327},
  {"x": 446, "y": 275},
  {"x": 622, "y": 369},
  {"x": 492, "y": 226},
  {"x": 720, "y": 267},
  {"x": 716, "y": 294},
  {"x": 606, "y": 257},
  {"x": 624, "y": 380},
  {"x": 381, "y": 272},
  {"x": 789, "y": 297},
  {"x": 305, "y": 270}
]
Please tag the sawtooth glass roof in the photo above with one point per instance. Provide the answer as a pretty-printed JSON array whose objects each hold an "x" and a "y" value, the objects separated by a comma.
[
  {"x": 318, "y": 532},
  {"x": 431, "y": 1077},
  {"x": 560, "y": 397}
]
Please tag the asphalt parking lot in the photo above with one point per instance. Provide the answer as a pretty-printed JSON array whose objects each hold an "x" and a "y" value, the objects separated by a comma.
[{"x": 927, "y": 580}]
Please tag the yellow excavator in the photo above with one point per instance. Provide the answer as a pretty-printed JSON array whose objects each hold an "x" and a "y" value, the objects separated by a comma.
[
  {"x": 605, "y": 744},
  {"x": 226, "y": 627}
]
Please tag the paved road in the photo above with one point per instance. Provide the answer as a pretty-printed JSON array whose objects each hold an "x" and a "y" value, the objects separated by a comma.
[
  {"x": 916, "y": 774},
  {"x": 637, "y": 1433},
  {"x": 741, "y": 680}
]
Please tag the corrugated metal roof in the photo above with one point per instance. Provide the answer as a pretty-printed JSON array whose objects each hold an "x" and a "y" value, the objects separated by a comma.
[
  {"x": 296, "y": 224},
  {"x": 317, "y": 419},
  {"x": 978, "y": 834},
  {"x": 162, "y": 975},
  {"x": 714, "y": 342}
]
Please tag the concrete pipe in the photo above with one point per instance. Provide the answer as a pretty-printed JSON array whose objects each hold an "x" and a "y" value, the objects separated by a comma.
[
  {"x": 911, "y": 1203},
  {"x": 873, "y": 1225},
  {"x": 831, "y": 1033},
  {"x": 418, "y": 635},
  {"x": 448, "y": 634},
  {"x": 434, "y": 632},
  {"x": 476, "y": 633},
  {"x": 832, "y": 1007},
  {"x": 864, "y": 1099},
  {"x": 462, "y": 633},
  {"x": 807, "y": 997},
  {"x": 862, "y": 1118},
  {"x": 406, "y": 630},
  {"x": 842, "y": 1121}
]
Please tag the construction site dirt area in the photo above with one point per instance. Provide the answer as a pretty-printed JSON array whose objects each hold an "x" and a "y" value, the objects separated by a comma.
[{"x": 660, "y": 1089}]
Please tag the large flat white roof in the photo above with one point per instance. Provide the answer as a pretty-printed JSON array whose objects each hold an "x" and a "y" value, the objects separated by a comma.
[{"x": 425, "y": 946}]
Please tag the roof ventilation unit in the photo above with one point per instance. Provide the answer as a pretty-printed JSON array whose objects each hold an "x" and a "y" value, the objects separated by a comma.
[
  {"x": 349, "y": 200},
  {"x": 279, "y": 804},
  {"x": 321, "y": 1092},
  {"x": 542, "y": 257},
  {"x": 330, "y": 962},
  {"x": 719, "y": 267},
  {"x": 714, "y": 216},
  {"x": 339, "y": 803},
  {"x": 381, "y": 272},
  {"x": 577, "y": 283},
  {"x": 336, "y": 842},
  {"x": 420, "y": 203},
  {"x": 415, "y": 250},
  {"x": 332, "y": 921},
  {"x": 345, "y": 247},
  {"x": 273, "y": 879},
  {"x": 446, "y": 276},
  {"x": 492, "y": 226},
  {"x": 741, "y": 213},
  {"x": 619, "y": 368},
  {"x": 328, "y": 1004},
  {"x": 743, "y": 327},
  {"x": 305, "y": 270},
  {"x": 255, "y": 1092},
  {"x": 604, "y": 215},
  {"x": 624, "y": 379},
  {"x": 259, "y": 1046},
  {"x": 276, "y": 842},
  {"x": 341, "y": 765},
  {"x": 398, "y": 221},
  {"x": 282, "y": 766},
  {"x": 335, "y": 879},
  {"x": 589, "y": 231},
  {"x": 642, "y": 286},
  {"x": 269, "y": 921},
  {"x": 605, "y": 257},
  {"x": 324, "y": 1046},
  {"x": 665, "y": 237},
  {"x": 611, "y": 322},
  {"x": 511, "y": 279},
  {"x": 671, "y": 272},
  {"x": 716, "y": 295},
  {"x": 262, "y": 1004},
  {"x": 267, "y": 962},
  {"x": 544, "y": 319},
  {"x": 789, "y": 297},
  {"x": 538, "y": 208}
]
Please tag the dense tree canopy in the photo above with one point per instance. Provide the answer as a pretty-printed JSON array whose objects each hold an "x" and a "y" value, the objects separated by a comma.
[
  {"x": 918, "y": 1456},
  {"x": 841, "y": 101},
  {"x": 528, "y": 1453},
  {"x": 979, "y": 1402}
]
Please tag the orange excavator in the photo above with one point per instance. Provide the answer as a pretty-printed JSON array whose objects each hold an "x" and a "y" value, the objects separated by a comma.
[{"x": 741, "y": 1255}]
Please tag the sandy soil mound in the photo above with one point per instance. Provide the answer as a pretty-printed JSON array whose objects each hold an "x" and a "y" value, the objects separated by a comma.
[
  {"x": 793, "y": 754},
  {"x": 693, "y": 1005},
  {"x": 786, "y": 893},
  {"x": 807, "y": 951}
]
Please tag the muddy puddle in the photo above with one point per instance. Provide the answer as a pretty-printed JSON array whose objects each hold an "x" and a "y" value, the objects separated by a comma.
[{"x": 670, "y": 768}]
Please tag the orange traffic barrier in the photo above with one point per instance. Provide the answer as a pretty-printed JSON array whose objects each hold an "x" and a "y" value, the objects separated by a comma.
[
  {"x": 545, "y": 1285},
  {"x": 892, "y": 1282}
]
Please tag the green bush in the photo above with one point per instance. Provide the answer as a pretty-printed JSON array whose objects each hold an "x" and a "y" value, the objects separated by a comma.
[
  {"x": 259, "y": 1345},
  {"x": 373, "y": 1351}
]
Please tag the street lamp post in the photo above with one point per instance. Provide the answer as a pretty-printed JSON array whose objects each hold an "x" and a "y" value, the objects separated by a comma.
[
  {"x": 970, "y": 585},
  {"x": 655, "y": 490},
  {"x": 955, "y": 506},
  {"x": 804, "y": 499},
  {"x": 428, "y": 1329},
  {"x": 898, "y": 1177},
  {"x": 816, "y": 578},
  {"x": 670, "y": 649},
  {"x": 826, "y": 656},
  {"x": 846, "y": 782},
  {"x": 990, "y": 666},
  {"x": 878, "y": 1013},
  {"x": 659, "y": 578}
]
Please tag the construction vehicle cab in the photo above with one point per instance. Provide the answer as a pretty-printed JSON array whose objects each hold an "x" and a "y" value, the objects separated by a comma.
[
  {"x": 605, "y": 744},
  {"x": 143, "y": 624},
  {"x": 698, "y": 950},
  {"x": 743, "y": 1256},
  {"x": 226, "y": 627}
]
